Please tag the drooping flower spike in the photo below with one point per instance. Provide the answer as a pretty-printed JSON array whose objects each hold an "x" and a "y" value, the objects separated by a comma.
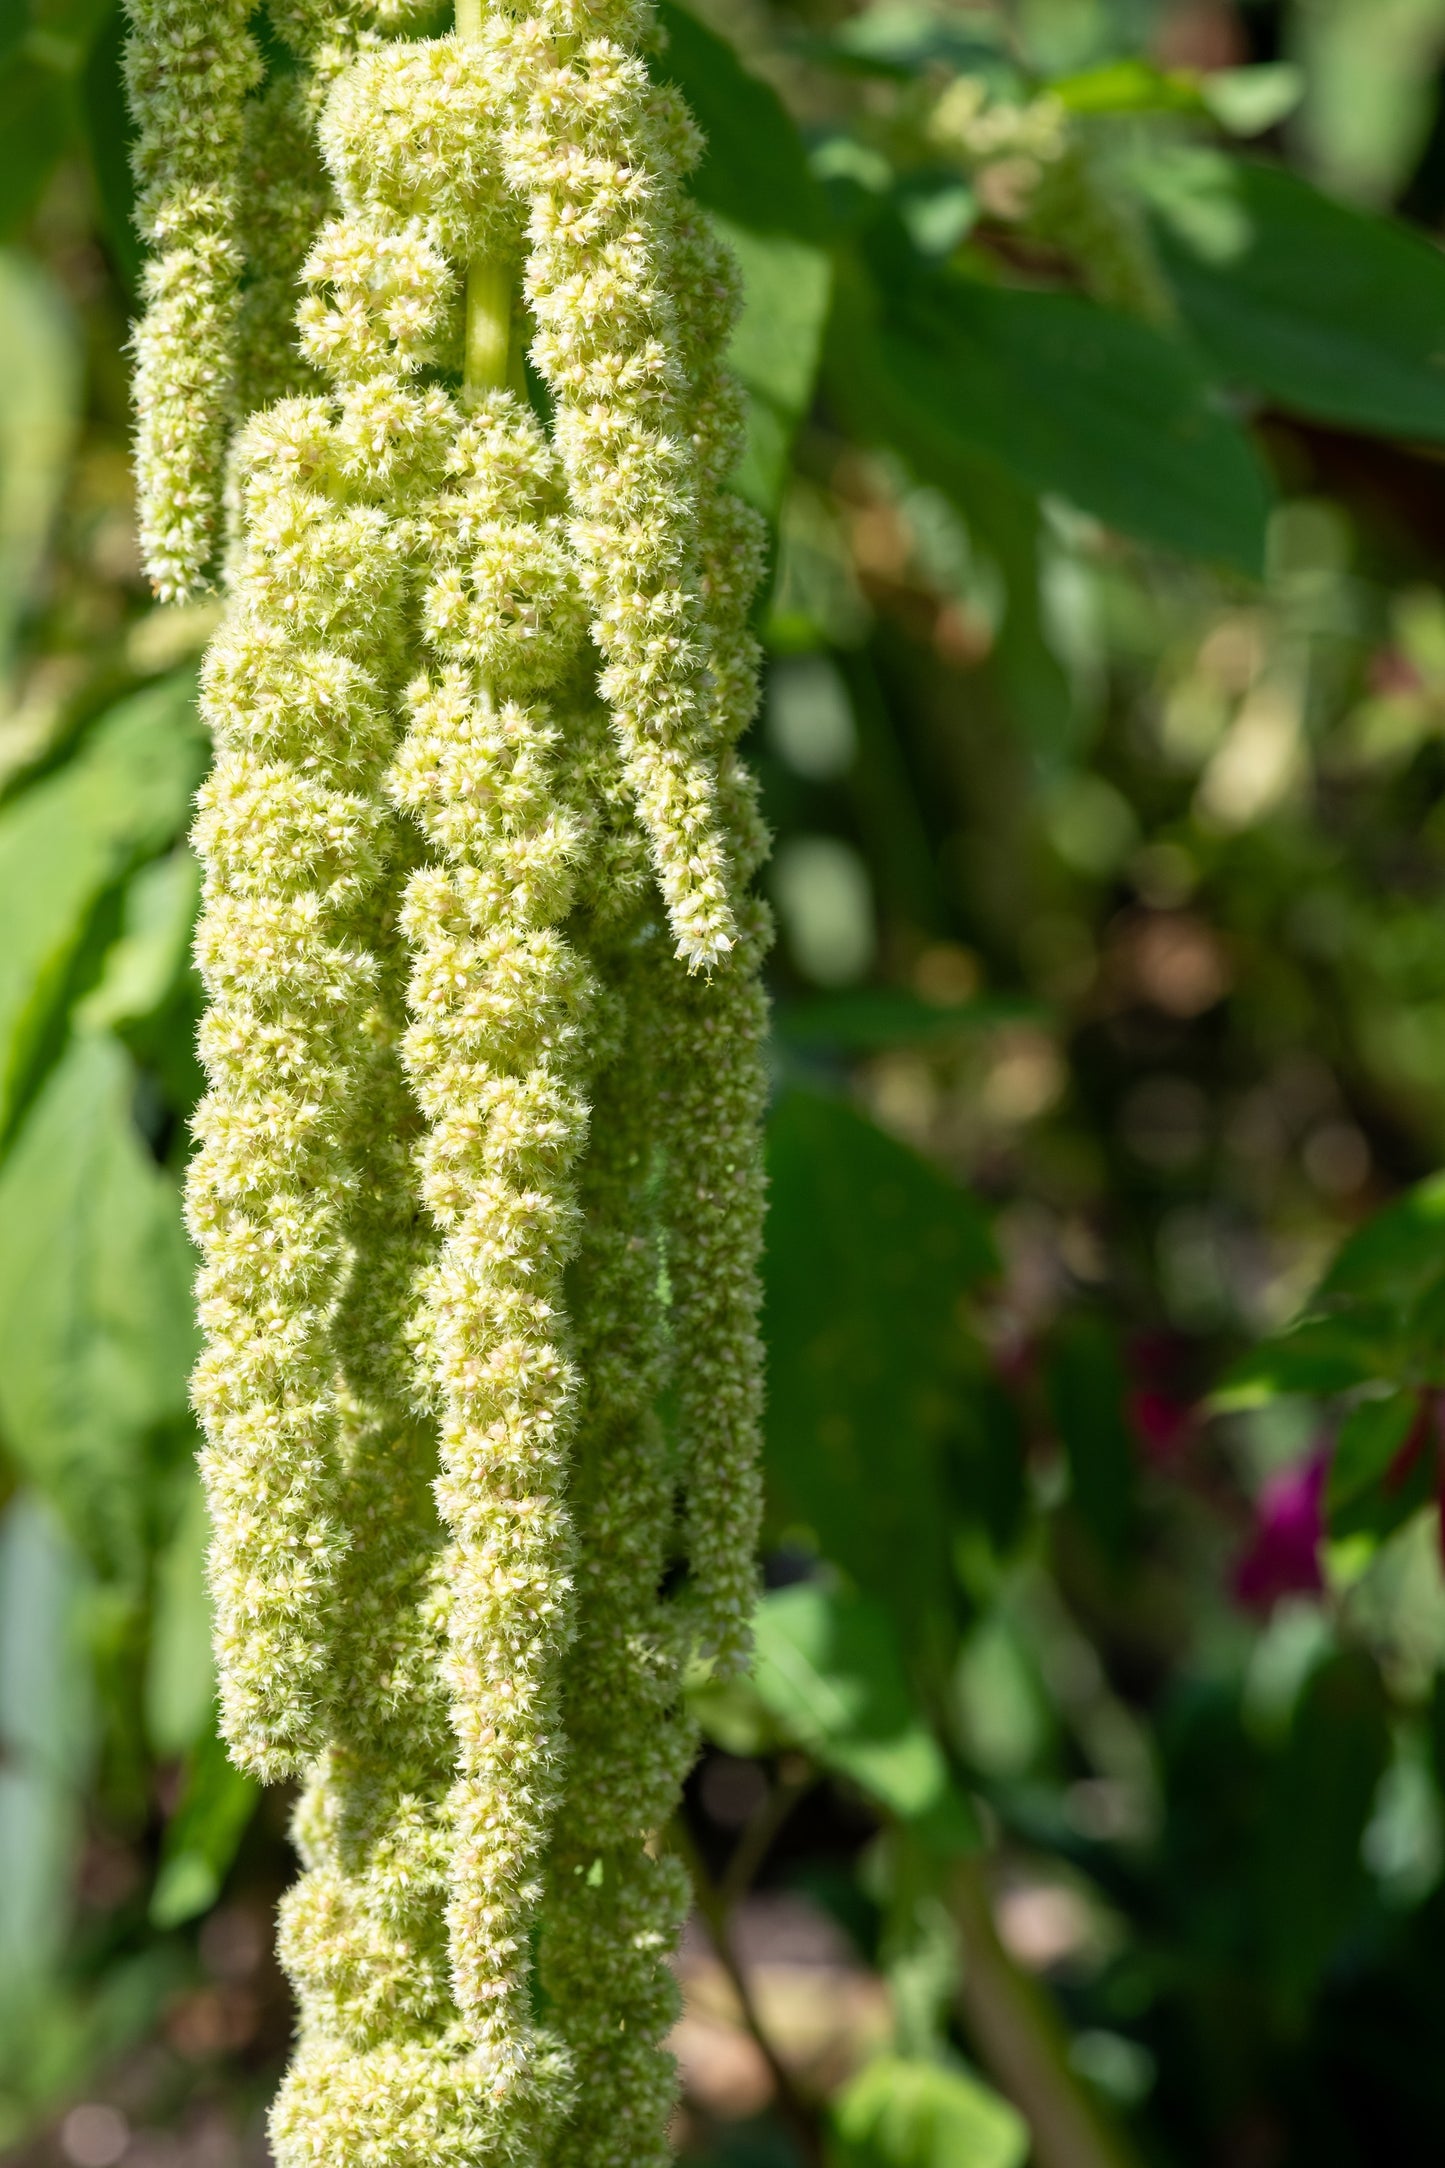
[{"x": 484, "y": 1051}]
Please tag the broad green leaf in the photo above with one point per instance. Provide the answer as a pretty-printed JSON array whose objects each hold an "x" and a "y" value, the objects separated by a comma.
[
  {"x": 39, "y": 411},
  {"x": 1087, "y": 1386},
  {"x": 901, "y": 2113},
  {"x": 755, "y": 171},
  {"x": 870, "y": 1252},
  {"x": 180, "y": 1684},
  {"x": 1002, "y": 516},
  {"x": 1326, "y": 310},
  {"x": 1312, "y": 1877},
  {"x": 46, "y": 1724},
  {"x": 775, "y": 349},
  {"x": 1080, "y": 403},
  {"x": 122, "y": 796},
  {"x": 96, "y": 1335},
  {"x": 1383, "y": 1469},
  {"x": 203, "y": 1836},
  {"x": 830, "y": 1671}
]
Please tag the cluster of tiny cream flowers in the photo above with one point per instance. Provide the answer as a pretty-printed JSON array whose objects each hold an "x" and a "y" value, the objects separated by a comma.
[{"x": 478, "y": 1176}]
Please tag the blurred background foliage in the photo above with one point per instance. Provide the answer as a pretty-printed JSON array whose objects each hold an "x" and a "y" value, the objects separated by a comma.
[{"x": 1088, "y": 1802}]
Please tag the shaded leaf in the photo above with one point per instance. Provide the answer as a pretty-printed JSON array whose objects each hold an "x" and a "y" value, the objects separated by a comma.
[
  {"x": 755, "y": 171},
  {"x": 870, "y": 1251},
  {"x": 1312, "y": 1877},
  {"x": 203, "y": 1836},
  {"x": 1087, "y": 1386},
  {"x": 830, "y": 1671},
  {"x": 180, "y": 1683},
  {"x": 1081, "y": 403},
  {"x": 1328, "y": 311},
  {"x": 96, "y": 1334},
  {"x": 775, "y": 349}
]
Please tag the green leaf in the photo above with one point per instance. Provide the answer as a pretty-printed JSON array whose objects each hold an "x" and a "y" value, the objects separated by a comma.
[
  {"x": 1312, "y": 1877},
  {"x": 96, "y": 1333},
  {"x": 108, "y": 132},
  {"x": 180, "y": 1685},
  {"x": 1321, "y": 1356},
  {"x": 830, "y": 1671},
  {"x": 39, "y": 414},
  {"x": 1383, "y": 1469},
  {"x": 1327, "y": 311},
  {"x": 1081, "y": 403},
  {"x": 901, "y": 2113},
  {"x": 203, "y": 1836},
  {"x": 870, "y": 1252},
  {"x": 775, "y": 349},
  {"x": 36, "y": 118},
  {"x": 1395, "y": 1256},
  {"x": 46, "y": 1727},
  {"x": 1087, "y": 1387},
  {"x": 123, "y": 795},
  {"x": 755, "y": 170}
]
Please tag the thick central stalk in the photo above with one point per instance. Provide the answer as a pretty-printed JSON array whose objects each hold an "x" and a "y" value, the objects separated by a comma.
[{"x": 489, "y": 284}]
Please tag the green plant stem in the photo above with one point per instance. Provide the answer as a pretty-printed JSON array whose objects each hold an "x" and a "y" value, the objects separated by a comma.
[
  {"x": 800, "y": 2119},
  {"x": 488, "y": 306},
  {"x": 1023, "y": 2046}
]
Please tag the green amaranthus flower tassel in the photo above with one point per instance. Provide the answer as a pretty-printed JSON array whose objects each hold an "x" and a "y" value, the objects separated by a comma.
[{"x": 484, "y": 1047}]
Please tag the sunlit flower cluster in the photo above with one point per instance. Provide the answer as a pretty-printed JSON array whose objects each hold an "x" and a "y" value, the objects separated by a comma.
[{"x": 478, "y": 1172}]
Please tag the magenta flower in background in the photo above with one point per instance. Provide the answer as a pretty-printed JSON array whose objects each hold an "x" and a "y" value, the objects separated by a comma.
[{"x": 1283, "y": 1558}]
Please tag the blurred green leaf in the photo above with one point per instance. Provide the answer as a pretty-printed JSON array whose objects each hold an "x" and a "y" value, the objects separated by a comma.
[
  {"x": 830, "y": 1671},
  {"x": 36, "y": 118},
  {"x": 755, "y": 171},
  {"x": 1312, "y": 1876},
  {"x": 899, "y": 2113},
  {"x": 1080, "y": 403},
  {"x": 46, "y": 1724},
  {"x": 1087, "y": 1386},
  {"x": 1326, "y": 310},
  {"x": 203, "y": 1836},
  {"x": 870, "y": 1252},
  {"x": 1395, "y": 1256},
  {"x": 39, "y": 414},
  {"x": 108, "y": 132},
  {"x": 96, "y": 1332},
  {"x": 1369, "y": 1445},
  {"x": 123, "y": 795},
  {"x": 1321, "y": 1356},
  {"x": 180, "y": 1681},
  {"x": 775, "y": 349}
]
